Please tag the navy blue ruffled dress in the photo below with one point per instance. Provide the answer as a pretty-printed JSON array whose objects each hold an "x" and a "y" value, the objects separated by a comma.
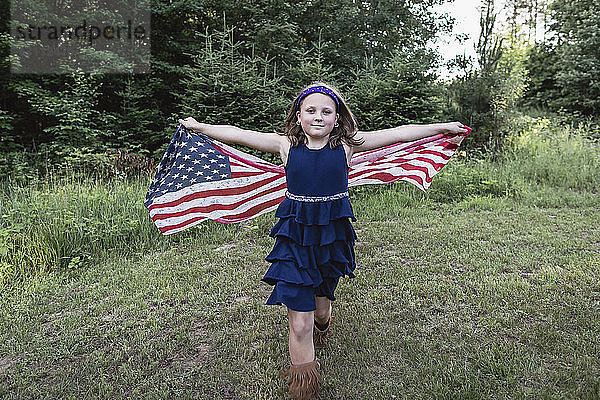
[{"x": 314, "y": 239}]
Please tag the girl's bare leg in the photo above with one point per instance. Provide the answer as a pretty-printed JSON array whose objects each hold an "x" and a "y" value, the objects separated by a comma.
[
  {"x": 323, "y": 311},
  {"x": 301, "y": 336}
]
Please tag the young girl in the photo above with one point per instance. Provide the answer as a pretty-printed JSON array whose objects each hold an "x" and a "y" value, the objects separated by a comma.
[{"x": 314, "y": 236}]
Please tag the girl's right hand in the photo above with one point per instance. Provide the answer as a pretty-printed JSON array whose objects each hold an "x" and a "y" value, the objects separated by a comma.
[{"x": 190, "y": 123}]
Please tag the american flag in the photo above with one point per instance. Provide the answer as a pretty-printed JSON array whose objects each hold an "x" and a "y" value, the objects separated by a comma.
[{"x": 200, "y": 178}]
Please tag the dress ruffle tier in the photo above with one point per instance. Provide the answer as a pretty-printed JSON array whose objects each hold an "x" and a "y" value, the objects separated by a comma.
[
  {"x": 313, "y": 240},
  {"x": 315, "y": 213}
]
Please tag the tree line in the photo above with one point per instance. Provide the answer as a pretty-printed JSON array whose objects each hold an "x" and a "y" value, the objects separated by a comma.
[{"x": 237, "y": 62}]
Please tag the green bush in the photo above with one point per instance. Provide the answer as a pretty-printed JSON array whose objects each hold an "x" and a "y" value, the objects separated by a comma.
[{"x": 19, "y": 166}]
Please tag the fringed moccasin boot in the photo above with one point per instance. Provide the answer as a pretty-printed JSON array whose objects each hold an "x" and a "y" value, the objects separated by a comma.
[
  {"x": 303, "y": 380},
  {"x": 320, "y": 336}
]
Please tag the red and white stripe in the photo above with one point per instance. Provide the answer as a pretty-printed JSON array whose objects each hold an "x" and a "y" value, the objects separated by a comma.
[{"x": 416, "y": 162}]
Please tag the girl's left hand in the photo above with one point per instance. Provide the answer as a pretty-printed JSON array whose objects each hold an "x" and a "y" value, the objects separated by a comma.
[
  {"x": 454, "y": 128},
  {"x": 190, "y": 123}
]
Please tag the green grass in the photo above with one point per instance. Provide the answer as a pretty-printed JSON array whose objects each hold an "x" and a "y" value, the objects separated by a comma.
[
  {"x": 486, "y": 287},
  {"x": 450, "y": 301}
]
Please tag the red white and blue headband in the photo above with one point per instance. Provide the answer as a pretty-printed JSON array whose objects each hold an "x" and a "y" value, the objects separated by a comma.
[{"x": 317, "y": 89}]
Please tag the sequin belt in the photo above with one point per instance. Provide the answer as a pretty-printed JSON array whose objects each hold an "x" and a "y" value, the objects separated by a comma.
[{"x": 314, "y": 199}]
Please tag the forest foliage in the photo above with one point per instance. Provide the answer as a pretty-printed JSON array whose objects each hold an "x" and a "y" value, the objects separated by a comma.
[{"x": 240, "y": 63}]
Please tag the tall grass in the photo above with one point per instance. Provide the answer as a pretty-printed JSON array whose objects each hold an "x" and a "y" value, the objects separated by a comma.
[
  {"x": 64, "y": 223},
  {"x": 545, "y": 152}
]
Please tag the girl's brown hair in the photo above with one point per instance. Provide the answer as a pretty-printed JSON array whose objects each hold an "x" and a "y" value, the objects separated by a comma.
[{"x": 344, "y": 132}]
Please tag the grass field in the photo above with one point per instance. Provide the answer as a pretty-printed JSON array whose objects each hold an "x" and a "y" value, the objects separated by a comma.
[
  {"x": 482, "y": 298},
  {"x": 486, "y": 287}
]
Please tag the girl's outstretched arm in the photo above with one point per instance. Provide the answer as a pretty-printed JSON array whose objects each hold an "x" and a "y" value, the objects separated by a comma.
[
  {"x": 404, "y": 133},
  {"x": 269, "y": 142}
]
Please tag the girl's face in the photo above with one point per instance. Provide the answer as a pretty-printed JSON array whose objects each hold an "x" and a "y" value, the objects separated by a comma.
[{"x": 317, "y": 115}]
